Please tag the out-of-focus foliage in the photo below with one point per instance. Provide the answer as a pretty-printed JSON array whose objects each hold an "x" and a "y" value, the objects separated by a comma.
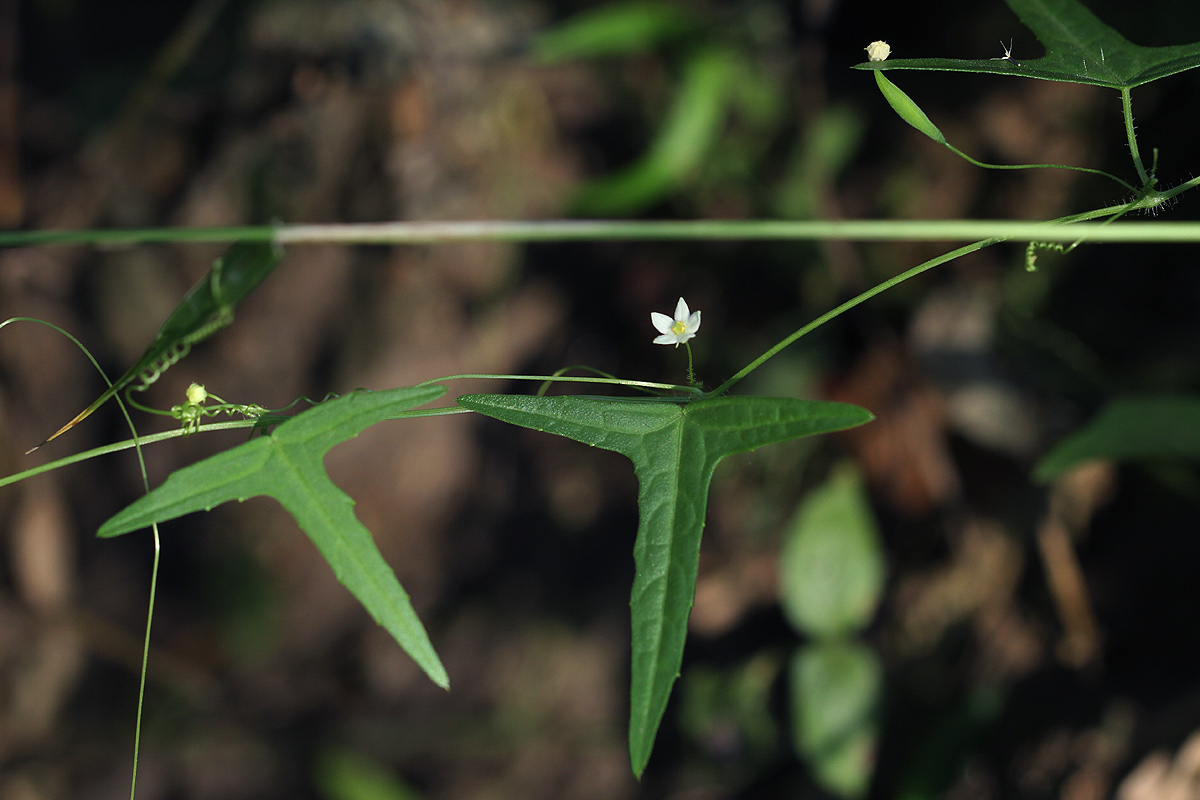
[
  {"x": 617, "y": 29},
  {"x": 831, "y": 575},
  {"x": 344, "y": 775},
  {"x": 835, "y": 692},
  {"x": 825, "y": 148},
  {"x": 1145, "y": 429},
  {"x": 723, "y": 107},
  {"x": 727, "y": 712},
  {"x": 831, "y": 570}
]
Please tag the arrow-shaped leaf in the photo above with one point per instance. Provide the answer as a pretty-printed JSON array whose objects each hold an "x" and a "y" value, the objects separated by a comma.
[
  {"x": 1079, "y": 49},
  {"x": 288, "y": 465},
  {"x": 674, "y": 449}
]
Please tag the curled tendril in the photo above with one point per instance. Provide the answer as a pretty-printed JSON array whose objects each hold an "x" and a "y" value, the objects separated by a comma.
[{"x": 1032, "y": 249}]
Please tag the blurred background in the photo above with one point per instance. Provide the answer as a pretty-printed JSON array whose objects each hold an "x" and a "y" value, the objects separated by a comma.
[{"x": 1030, "y": 640}]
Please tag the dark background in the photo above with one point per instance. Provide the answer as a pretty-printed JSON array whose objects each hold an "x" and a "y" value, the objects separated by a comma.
[{"x": 267, "y": 680}]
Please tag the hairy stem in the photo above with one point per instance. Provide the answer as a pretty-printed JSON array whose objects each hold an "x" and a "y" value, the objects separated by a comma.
[{"x": 1127, "y": 110}]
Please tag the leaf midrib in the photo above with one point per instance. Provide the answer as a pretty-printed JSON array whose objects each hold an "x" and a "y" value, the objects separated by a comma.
[{"x": 313, "y": 508}]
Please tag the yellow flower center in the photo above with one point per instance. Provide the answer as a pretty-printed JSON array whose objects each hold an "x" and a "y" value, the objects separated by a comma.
[{"x": 680, "y": 326}]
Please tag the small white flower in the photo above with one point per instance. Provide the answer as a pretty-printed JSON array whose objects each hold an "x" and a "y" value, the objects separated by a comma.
[
  {"x": 878, "y": 51},
  {"x": 679, "y": 330}
]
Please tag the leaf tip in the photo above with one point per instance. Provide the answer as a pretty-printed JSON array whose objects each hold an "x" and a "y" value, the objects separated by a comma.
[
  {"x": 106, "y": 531},
  {"x": 637, "y": 762}
]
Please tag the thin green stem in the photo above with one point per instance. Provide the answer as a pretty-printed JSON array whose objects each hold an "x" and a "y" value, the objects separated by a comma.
[
  {"x": 1167, "y": 194},
  {"x": 672, "y": 387},
  {"x": 141, "y": 698},
  {"x": 141, "y": 701},
  {"x": 108, "y": 449},
  {"x": 176, "y": 433},
  {"x": 144, "y": 409},
  {"x": 398, "y": 233},
  {"x": 897, "y": 279},
  {"x": 112, "y": 237},
  {"x": 443, "y": 411},
  {"x": 559, "y": 375},
  {"x": 1088, "y": 170},
  {"x": 137, "y": 732},
  {"x": 1127, "y": 111},
  {"x": 849, "y": 304},
  {"x": 691, "y": 374}
]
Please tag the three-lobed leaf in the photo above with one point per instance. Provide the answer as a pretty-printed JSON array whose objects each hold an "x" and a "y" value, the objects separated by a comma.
[
  {"x": 288, "y": 465},
  {"x": 674, "y": 447},
  {"x": 1079, "y": 49}
]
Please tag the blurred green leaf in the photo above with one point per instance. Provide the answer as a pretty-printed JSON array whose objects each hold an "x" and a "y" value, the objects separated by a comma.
[
  {"x": 823, "y": 152},
  {"x": 759, "y": 96},
  {"x": 288, "y": 465},
  {"x": 1079, "y": 49},
  {"x": 345, "y": 775},
  {"x": 1130, "y": 429},
  {"x": 674, "y": 449},
  {"x": 686, "y": 137},
  {"x": 615, "y": 29},
  {"x": 832, "y": 567},
  {"x": 835, "y": 688},
  {"x": 730, "y": 708}
]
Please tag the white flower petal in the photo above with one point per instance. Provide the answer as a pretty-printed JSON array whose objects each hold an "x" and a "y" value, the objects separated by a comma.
[
  {"x": 679, "y": 329},
  {"x": 662, "y": 322}
]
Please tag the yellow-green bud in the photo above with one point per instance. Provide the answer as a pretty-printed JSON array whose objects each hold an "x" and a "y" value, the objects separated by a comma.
[{"x": 196, "y": 394}]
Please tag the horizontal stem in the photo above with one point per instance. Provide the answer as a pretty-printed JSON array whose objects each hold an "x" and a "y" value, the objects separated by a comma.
[
  {"x": 118, "y": 447},
  {"x": 175, "y": 433},
  {"x": 563, "y": 379},
  {"x": 384, "y": 233}
]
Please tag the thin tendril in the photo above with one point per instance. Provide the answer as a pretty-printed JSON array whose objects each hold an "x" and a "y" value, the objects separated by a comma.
[
  {"x": 910, "y": 273},
  {"x": 137, "y": 732}
]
